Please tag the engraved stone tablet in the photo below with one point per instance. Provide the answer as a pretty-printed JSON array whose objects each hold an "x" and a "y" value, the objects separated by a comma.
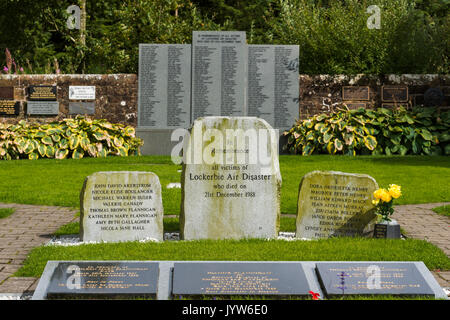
[
  {"x": 43, "y": 107},
  {"x": 255, "y": 279},
  {"x": 334, "y": 204},
  {"x": 42, "y": 93},
  {"x": 355, "y": 93},
  {"x": 108, "y": 279},
  {"x": 372, "y": 278},
  {"x": 164, "y": 86},
  {"x": 218, "y": 73},
  {"x": 82, "y": 107},
  {"x": 394, "y": 94},
  {"x": 82, "y": 92},
  {"x": 6, "y": 93},
  {"x": 231, "y": 180},
  {"x": 9, "y": 108},
  {"x": 121, "y": 206},
  {"x": 273, "y": 87}
]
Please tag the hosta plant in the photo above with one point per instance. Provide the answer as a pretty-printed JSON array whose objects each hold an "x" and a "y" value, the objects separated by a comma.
[
  {"x": 422, "y": 131},
  {"x": 69, "y": 138}
]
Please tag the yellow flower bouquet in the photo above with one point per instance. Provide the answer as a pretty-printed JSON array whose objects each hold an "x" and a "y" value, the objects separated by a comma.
[{"x": 384, "y": 200}]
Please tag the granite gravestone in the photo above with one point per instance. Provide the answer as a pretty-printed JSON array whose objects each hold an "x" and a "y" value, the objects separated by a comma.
[
  {"x": 225, "y": 279},
  {"x": 82, "y": 107},
  {"x": 121, "y": 206},
  {"x": 42, "y": 93},
  {"x": 355, "y": 93},
  {"x": 372, "y": 278},
  {"x": 42, "y": 107},
  {"x": 272, "y": 84},
  {"x": 230, "y": 180},
  {"x": 218, "y": 73},
  {"x": 107, "y": 280},
  {"x": 335, "y": 204},
  {"x": 164, "y": 86},
  {"x": 9, "y": 108},
  {"x": 81, "y": 92}
]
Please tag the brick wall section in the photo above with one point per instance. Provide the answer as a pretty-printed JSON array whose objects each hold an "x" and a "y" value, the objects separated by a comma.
[
  {"x": 322, "y": 93},
  {"x": 112, "y": 90},
  {"x": 318, "y": 93}
]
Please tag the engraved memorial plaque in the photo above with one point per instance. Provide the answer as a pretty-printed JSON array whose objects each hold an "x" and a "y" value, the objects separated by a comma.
[
  {"x": 108, "y": 279},
  {"x": 164, "y": 86},
  {"x": 356, "y": 93},
  {"x": 82, "y": 92},
  {"x": 219, "y": 71},
  {"x": 82, "y": 107},
  {"x": 273, "y": 87},
  {"x": 255, "y": 279},
  {"x": 9, "y": 108},
  {"x": 42, "y": 93},
  {"x": 42, "y": 107},
  {"x": 355, "y": 105},
  {"x": 6, "y": 93},
  {"x": 372, "y": 278},
  {"x": 394, "y": 94}
]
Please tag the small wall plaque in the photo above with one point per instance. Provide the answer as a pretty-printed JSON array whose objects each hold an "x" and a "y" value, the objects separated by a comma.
[
  {"x": 355, "y": 105},
  {"x": 9, "y": 108},
  {"x": 42, "y": 93},
  {"x": 394, "y": 94},
  {"x": 42, "y": 107},
  {"x": 355, "y": 93},
  {"x": 81, "y": 107},
  {"x": 7, "y": 93},
  {"x": 81, "y": 92}
]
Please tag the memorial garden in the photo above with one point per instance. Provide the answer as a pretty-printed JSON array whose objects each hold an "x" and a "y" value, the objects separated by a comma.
[{"x": 232, "y": 155}]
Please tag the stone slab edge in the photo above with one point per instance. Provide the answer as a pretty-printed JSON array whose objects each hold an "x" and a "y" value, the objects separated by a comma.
[{"x": 166, "y": 275}]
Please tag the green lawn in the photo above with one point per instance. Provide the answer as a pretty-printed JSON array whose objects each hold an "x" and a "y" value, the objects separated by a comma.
[
  {"x": 6, "y": 212},
  {"x": 58, "y": 182},
  {"x": 334, "y": 249},
  {"x": 443, "y": 210}
]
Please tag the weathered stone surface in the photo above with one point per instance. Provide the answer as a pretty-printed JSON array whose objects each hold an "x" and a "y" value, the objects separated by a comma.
[
  {"x": 230, "y": 191},
  {"x": 121, "y": 206},
  {"x": 335, "y": 203}
]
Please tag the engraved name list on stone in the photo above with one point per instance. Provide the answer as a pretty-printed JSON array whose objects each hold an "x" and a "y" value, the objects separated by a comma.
[
  {"x": 273, "y": 88},
  {"x": 218, "y": 73},
  {"x": 164, "y": 86}
]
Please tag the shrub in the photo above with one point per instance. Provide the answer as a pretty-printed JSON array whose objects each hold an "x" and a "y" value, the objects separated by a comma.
[
  {"x": 74, "y": 138},
  {"x": 364, "y": 131}
]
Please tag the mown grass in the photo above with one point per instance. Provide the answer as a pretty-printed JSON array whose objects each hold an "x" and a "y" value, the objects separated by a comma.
[
  {"x": 58, "y": 182},
  {"x": 443, "y": 210},
  {"x": 6, "y": 212},
  {"x": 334, "y": 249}
]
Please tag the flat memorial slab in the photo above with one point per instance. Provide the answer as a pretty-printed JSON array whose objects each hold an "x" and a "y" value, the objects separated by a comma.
[
  {"x": 374, "y": 278},
  {"x": 111, "y": 279},
  {"x": 239, "y": 278}
]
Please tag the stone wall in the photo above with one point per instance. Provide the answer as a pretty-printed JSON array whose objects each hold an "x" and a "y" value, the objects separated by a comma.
[
  {"x": 322, "y": 93},
  {"x": 116, "y": 95}
]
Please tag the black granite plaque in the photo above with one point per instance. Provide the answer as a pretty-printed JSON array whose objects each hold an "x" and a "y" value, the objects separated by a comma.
[
  {"x": 9, "y": 108},
  {"x": 7, "y": 93},
  {"x": 81, "y": 107},
  {"x": 42, "y": 93},
  {"x": 355, "y": 93},
  {"x": 394, "y": 94},
  {"x": 254, "y": 279},
  {"x": 103, "y": 280},
  {"x": 372, "y": 278},
  {"x": 433, "y": 97}
]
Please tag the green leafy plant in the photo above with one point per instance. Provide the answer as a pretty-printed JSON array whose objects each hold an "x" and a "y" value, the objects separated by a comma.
[
  {"x": 422, "y": 131},
  {"x": 75, "y": 138}
]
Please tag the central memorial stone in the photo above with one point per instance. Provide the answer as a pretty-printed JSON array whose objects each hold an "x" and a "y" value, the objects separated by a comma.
[
  {"x": 335, "y": 204},
  {"x": 230, "y": 180},
  {"x": 121, "y": 206}
]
